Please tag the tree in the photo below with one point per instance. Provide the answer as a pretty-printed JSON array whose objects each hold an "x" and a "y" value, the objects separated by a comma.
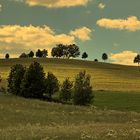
[
  {"x": 73, "y": 51},
  {"x": 58, "y": 51},
  {"x": 14, "y": 79},
  {"x": 84, "y": 55},
  {"x": 66, "y": 90},
  {"x": 44, "y": 53},
  {"x": 23, "y": 55},
  {"x": 31, "y": 54},
  {"x": 66, "y": 51},
  {"x": 104, "y": 56},
  {"x": 39, "y": 53},
  {"x": 137, "y": 59},
  {"x": 82, "y": 89},
  {"x": 51, "y": 84},
  {"x": 7, "y": 56},
  {"x": 33, "y": 83},
  {"x": 95, "y": 60},
  {"x": 54, "y": 52}
]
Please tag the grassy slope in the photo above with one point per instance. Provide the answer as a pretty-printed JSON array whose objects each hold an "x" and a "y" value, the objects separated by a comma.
[
  {"x": 36, "y": 120},
  {"x": 104, "y": 76},
  {"x": 33, "y": 119}
]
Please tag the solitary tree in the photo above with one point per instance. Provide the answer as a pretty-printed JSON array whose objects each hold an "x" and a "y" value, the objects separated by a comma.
[
  {"x": 7, "y": 56},
  {"x": 66, "y": 90},
  {"x": 82, "y": 89},
  {"x": 95, "y": 60},
  {"x": 137, "y": 59},
  {"x": 14, "y": 79},
  {"x": 31, "y": 54},
  {"x": 84, "y": 55},
  {"x": 33, "y": 83},
  {"x": 104, "y": 56},
  {"x": 51, "y": 85}
]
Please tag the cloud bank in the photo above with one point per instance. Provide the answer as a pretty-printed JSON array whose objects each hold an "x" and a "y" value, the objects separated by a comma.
[
  {"x": 130, "y": 24},
  {"x": 82, "y": 33},
  {"x": 124, "y": 58},
  {"x": 16, "y": 37},
  {"x": 57, "y": 3}
]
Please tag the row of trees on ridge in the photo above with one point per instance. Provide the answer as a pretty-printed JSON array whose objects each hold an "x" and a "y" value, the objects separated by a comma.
[{"x": 60, "y": 51}]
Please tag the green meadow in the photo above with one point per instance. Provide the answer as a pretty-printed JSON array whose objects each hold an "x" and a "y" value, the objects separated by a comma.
[{"x": 114, "y": 114}]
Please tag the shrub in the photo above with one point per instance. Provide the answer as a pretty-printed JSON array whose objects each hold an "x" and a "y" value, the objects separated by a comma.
[
  {"x": 82, "y": 89},
  {"x": 84, "y": 55},
  {"x": 66, "y": 90},
  {"x": 7, "y": 56},
  {"x": 23, "y": 55},
  {"x": 33, "y": 83},
  {"x": 31, "y": 54},
  {"x": 51, "y": 84},
  {"x": 14, "y": 79},
  {"x": 104, "y": 56},
  {"x": 95, "y": 60}
]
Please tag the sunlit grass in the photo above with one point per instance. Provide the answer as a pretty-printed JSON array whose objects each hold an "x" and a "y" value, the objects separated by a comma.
[
  {"x": 33, "y": 119},
  {"x": 103, "y": 76}
]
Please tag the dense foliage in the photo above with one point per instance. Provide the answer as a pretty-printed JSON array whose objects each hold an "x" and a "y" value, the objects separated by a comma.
[
  {"x": 84, "y": 55},
  {"x": 15, "y": 78},
  {"x": 104, "y": 56},
  {"x": 82, "y": 89},
  {"x": 33, "y": 83},
  {"x": 51, "y": 85},
  {"x": 7, "y": 56},
  {"x": 66, "y": 51},
  {"x": 66, "y": 90},
  {"x": 137, "y": 59}
]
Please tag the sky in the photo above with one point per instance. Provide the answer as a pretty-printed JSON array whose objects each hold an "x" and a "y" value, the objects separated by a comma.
[{"x": 96, "y": 26}]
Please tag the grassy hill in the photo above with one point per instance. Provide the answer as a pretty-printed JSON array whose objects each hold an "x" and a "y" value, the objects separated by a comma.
[
  {"x": 115, "y": 114},
  {"x": 103, "y": 76},
  {"x": 27, "y": 119}
]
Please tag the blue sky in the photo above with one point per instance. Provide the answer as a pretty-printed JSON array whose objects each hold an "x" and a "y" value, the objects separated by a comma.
[{"x": 96, "y": 26}]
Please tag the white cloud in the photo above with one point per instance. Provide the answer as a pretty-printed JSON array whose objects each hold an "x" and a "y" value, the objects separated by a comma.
[
  {"x": 83, "y": 33},
  {"x": 131, "y": 23},
  {"x": 124, "y": 58},
  {"x": 16, "y": 38},
  {"x": 101, "y": 6},
  {"x": 57, "y": 3}
]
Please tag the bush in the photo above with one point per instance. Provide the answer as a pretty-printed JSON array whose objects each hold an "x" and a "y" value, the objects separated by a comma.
[
  {"x": 33, "y": 83},
  {"x": 66, "y": 90},
  {"x": 82, "y": 89},
  {"x": 31, "y": 54},
  {"x": 14, "y": 79},
  {"x": 51, "y": 85},
  {"x": 7, "y": 56}
]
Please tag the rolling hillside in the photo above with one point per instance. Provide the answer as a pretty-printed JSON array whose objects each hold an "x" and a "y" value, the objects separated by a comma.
[
  {"x": 27, "y": 119},
  {"x": 103, "y": 76},
  {"x": 115, "y": 113}
]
